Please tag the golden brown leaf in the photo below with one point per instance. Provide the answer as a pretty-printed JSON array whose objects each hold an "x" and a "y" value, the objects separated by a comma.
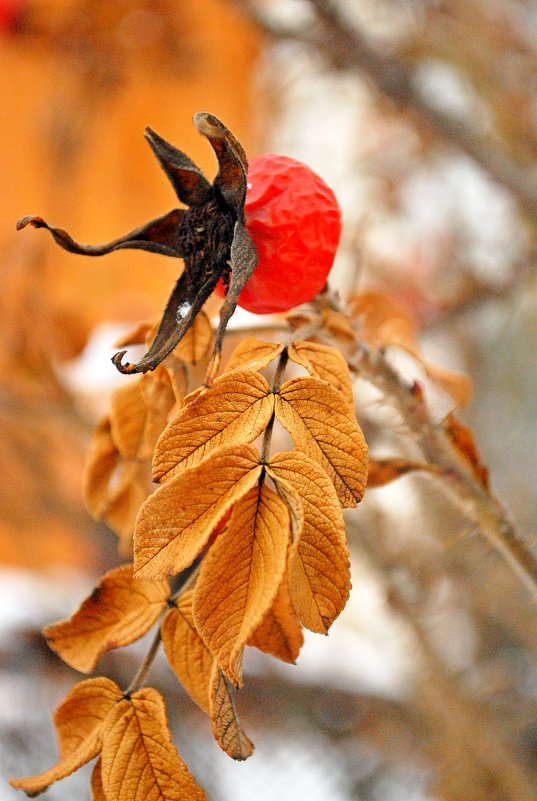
[
  {"x": 319, "y": 575},
  {"x": 176, "y": 521},
  {"x": 139, "y": 335},
  {"x": 101, "y": 462},
  {"x": 383, "y": 471},
  {"x": 128, "y": 414},
  {"x": 126, "y": 496},
  {"x": 227, "y": 730},
  {"x": 240, "y": 576},
  {"x": 236, "y": 409},
  {"x": 177, "y": 374},
  {"x": 119, "y": 611},
  {"x": 322, "y": 425},
  {"x": 187, "y": 654},
  {"x": 197, "y": 340},
  {"x": 464, "y": 442},
  {"x": 385, "y": 323},
  {"x": 139, "y": 760},
  {"x": 280, "y": 632},
  {"x": 97, "y": 789},
  {"x": 253, "y": 354},
  {"x": 324, "y": 362},
  {"x": 79, "y": 722},
  {"x": 157, "y": 391}
]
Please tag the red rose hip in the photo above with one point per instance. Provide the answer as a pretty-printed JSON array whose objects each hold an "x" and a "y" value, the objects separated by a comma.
[{"x": 294, "y": 220}]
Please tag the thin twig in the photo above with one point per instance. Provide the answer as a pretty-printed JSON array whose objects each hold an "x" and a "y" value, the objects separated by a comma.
[{"x": 348, "y": 48}]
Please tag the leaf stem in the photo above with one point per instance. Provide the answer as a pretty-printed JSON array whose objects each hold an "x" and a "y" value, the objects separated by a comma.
[
  {"x": 276, "y": 384},
  {"x": 180, "y": 582}
]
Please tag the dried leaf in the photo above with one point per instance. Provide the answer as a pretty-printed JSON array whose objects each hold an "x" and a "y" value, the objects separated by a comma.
[
  {"x": 253, "y": 354},
  {"x": 138, "y": 335},
  {"x": 319, "y": 574},
  {"x": 97, "y": 789},
  {"x": 187, "y": 654},
  {"x": 240, "y": 576},
  {"x": 324, "y": 362},
  {"x": 464, "y": 442},
  {"x": 101, "y": 462},
  {"x": 139, "y": 760},
  {"x": 227, "y": 730},
  {"x": 236, "y": 409},
  {"x": 124, "y": 502},
  {"x": 383, "y": 471},
  {"x": 176, "y": 521},
  {"x": 79, "y": 721},
  {"x": 385, "y": 323},
  {"x": 322, "y": 425},
  {"x": 158, "y": 394},
  {"x": 280, "y": 632},
  {"x": 128, "y": 414},
  {"x": 197, "y": 340},
  {"x": 119, "y": 611},
  {"x": 177, "y": 374}
]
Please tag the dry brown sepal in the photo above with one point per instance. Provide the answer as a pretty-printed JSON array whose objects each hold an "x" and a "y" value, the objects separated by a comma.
[
  {"x": 323, "y": 426},
  {"x": 227, "y": 730},
  {"x": 253, "y": 354},
  {"x": 280, "y": 632},
  {"x": 80, "y": 721},
  {"x": 176, "y": 521},
  {"x": 384, "y": 471},
  {"x": 236, "y": 409},
  {"x": 139, "y": 760},
  {"x": 240, "y": 576},
  {"x": 187, "y": 654},
  {"x": 385, "y": 323},
  {"x": 464, "y": 443},
  {"x": 119, "y": 611},
  {"x": 324, "y": 362},
  {"x": 319, "y": 571}
]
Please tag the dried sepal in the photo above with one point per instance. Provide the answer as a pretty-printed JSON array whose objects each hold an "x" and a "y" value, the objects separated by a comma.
[
  {"x": 176, "y": 521},
  {"x": 119, "y": 611},
  {"x": 79, "y": 722},
  {"x": 139, "y": 760},
  {"x": 236, "y": 409},
  {"x": 240, "y": 576},
  {"x": 319, "y": 570},
  {"x": 322, "y": 425}
]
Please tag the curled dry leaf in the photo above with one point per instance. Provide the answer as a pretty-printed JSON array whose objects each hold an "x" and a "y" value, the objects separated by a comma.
[
  {"x": 187, "y": 654},
  {"x": 324, "y": 362},
  {"x": 176, "y": 521},
  {"x": 463, "y": 441},
  {"x": 240, "y": 576},
  {"x": 227, "y": 729},
  {"x": 280, "y": 632},
  {"x": 319, "y": 573},
  {"x": 236, "y": 409},
  {"x": 102, "y": 460},
  {"x": 253, "y": 354},
  {"x": 119, "y": 611},
  {"x": 383, "y": 471},
  {"x": 322, "y": 425},
  {"x": 139, "y": 760},
  {"x": 79, "y": 722},
  {"x": 97, "y": 789},
  {"x": 385, "y": 323}
]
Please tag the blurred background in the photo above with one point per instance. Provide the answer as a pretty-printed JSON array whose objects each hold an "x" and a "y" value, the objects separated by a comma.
[{"x": 422, "y": 115}]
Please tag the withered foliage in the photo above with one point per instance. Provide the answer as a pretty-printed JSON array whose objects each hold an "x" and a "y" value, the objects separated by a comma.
[{"x": 240, "y": 543}]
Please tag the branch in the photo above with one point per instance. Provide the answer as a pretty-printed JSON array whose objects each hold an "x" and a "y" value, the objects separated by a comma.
[{"x": 347, "y": 48}]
